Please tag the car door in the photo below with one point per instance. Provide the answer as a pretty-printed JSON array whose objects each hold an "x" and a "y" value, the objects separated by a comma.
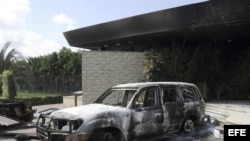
[
  {"x": 200, "y": 104},
  {"x": 193, "y": 103},
  {"x": 172, "y": 108},
  {"x": 147, "y": 115}
]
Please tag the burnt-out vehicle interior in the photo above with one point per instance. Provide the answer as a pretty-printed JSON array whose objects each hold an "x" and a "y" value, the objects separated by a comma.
[
  {"x": 127, "y": 112},
  {"x": 16, "y": 110}
]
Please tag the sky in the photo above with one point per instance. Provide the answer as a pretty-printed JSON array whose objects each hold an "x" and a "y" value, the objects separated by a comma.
[{"x": 35, "y": 27}]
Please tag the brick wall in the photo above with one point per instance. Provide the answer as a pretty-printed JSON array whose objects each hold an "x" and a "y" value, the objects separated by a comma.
[{"x": 102, "y": 70}]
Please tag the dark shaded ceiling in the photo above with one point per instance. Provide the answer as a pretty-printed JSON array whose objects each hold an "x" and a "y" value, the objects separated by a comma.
[{"x": 212, "y": 20}]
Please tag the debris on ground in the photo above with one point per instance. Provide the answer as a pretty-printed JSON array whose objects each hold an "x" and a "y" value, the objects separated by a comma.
[{"x": 14, "y": 111}]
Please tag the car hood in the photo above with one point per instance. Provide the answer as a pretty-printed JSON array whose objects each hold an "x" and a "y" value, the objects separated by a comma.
[{"x": 86, "y": 110}]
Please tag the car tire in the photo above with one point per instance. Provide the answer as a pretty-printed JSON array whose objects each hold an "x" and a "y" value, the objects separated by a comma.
[
  {"x": 107, "y": 136},
  {"x": 188, "y": 125}
]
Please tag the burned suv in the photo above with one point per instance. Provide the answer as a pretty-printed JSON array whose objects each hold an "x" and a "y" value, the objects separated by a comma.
[{"x": 127, "y": 112}]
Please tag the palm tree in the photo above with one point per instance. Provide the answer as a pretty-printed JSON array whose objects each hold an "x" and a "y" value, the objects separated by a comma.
[
  {"x": 6, "y": 57},
  {"x": 10, "y": 59}
]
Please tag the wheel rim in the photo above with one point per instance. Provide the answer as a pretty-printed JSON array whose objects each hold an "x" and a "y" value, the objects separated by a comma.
[
  {"x": 108, "y": 137},
  {"x": 188, "y": 125}
]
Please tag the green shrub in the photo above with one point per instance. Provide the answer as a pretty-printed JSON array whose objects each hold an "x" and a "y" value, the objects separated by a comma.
[
  {"x": 9, "y": 88},
  {"x": 1, "y": 84}
]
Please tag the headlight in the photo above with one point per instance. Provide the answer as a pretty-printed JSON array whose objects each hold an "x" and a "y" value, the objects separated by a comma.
[
  {"x": 63, "y": 125},
  {"x": 75, "y": 124}
]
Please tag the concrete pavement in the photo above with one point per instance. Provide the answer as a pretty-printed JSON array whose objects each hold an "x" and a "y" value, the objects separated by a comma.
[
  {"x": 8, "y": 134},
  {"x": 229, "y": 112}
]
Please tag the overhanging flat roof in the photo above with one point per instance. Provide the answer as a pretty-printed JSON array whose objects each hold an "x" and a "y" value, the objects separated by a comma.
[{"x": 215, "y": 19}]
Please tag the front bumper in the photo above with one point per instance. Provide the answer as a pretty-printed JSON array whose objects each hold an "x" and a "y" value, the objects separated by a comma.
[
  {"x": 69, "y": 137},
  {"x": 46, "y": 134},
  {"x": 55, "y": 136}
]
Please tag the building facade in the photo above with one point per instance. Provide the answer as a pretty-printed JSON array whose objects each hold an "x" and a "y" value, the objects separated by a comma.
[{"x": 102, "y": 70}]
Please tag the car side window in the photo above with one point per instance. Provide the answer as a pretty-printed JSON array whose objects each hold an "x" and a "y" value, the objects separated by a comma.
[
  {"x": 189, "y": 94},
  {"x": 169, "y": 95},
  {"x": 114, "y": 98},
  {"x": 128, "y": 94},
  {"x": 198, "y": 94},
  {"x": 147, "y": 98}
]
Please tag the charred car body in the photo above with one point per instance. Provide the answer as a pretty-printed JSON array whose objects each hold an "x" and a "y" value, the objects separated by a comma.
[{"x": 128, "y": 112}]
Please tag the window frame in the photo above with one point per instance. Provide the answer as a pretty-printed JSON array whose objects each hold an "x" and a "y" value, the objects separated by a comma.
[
  {"x": 177, "y": 99},
  {"x": 193, "y": 90},
  {"x": 156, "y": 94}
]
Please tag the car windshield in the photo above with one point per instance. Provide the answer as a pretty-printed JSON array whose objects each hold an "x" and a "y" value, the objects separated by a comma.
[{"x": 118, "y": 97}]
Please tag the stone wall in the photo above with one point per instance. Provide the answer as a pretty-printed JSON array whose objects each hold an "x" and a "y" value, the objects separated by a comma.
[{"x": 102, "y": 70}]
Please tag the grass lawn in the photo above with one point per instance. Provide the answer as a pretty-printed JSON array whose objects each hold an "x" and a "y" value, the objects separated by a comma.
[{"x": 21, "y": 95}]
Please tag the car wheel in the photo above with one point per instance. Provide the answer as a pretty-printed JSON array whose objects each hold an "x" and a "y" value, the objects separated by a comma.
[
  {"x": 107, "y": 136},
  {"x": 188, "y": 126}
]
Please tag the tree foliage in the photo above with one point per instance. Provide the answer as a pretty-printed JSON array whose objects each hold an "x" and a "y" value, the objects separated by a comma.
[
  {"x": 240, "y": 80},
  {"x": 1, "y": 84},
  {"x": 6, "y": 57},
  {"x": 22, "y": 73},
  {"x": 57, "y": 70},
  {"x": 64, "y": 63},
  {"x": 221, "y": 70},
  {"x": 11, "y": 59},
  {"x": 9, "y": 88}
]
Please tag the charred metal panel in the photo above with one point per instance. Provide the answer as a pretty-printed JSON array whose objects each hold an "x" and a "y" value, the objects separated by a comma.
[
  {"x": 221, "y": 12},
  {"x": 48, "y": 111},
  {"x": 207, "y": 20},
  {"x": 17, "y": 110},
  {"x": 133, "y": 27}
]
